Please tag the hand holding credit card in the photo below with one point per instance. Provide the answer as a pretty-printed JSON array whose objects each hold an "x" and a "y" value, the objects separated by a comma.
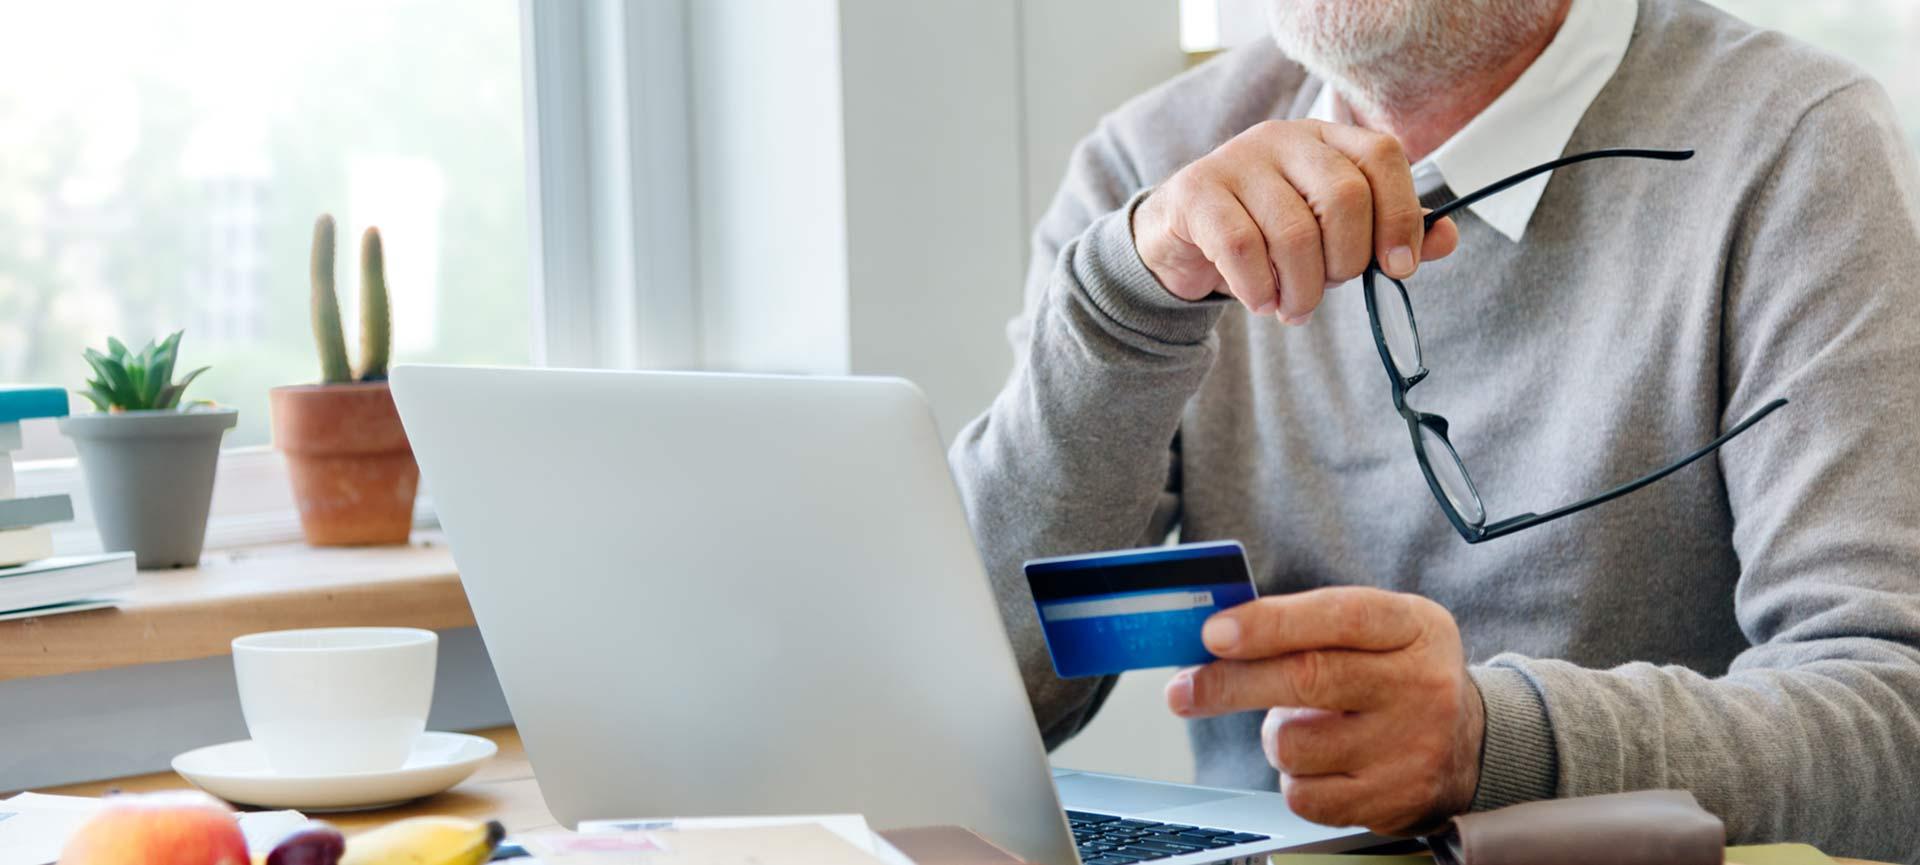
[{"x": 1107, "y": 613}]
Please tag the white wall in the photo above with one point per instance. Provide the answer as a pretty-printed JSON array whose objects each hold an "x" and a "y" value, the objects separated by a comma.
[
  {"x": 934, "y": 193},
  {"x": 866, "y": 175},
  {"x": 1081, "y": 59},
  {"x": 769, "y": 185}
]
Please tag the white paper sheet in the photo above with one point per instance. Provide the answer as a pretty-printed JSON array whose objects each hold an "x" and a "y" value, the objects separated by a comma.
[{"x": 851, "y": 827}]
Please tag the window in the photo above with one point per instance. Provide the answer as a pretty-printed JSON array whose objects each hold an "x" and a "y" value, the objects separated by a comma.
[
  {"x": 1207, "y": 26},
  {"x": 164, "y": 163}
]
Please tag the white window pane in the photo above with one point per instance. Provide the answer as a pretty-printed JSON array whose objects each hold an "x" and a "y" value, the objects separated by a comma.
[
  {"x": 1215, "y": 25},
  {"x": 164, "y": 162},
  {"x": 1199, "y": 25}
]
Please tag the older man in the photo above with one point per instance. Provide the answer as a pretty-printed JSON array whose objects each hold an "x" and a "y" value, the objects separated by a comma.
[{"x": 1747, "y": 629}]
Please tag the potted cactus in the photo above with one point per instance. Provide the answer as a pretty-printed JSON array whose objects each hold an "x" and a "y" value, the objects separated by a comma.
[
  {"x": 352, "y": 470},
  {"x": 149, "y": 461}
]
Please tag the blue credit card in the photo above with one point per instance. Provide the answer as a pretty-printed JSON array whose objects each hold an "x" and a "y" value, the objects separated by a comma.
[{"x": 1107, "y": 613}]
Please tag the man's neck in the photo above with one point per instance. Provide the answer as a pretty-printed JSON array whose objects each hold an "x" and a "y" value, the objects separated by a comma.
[{"x": 1425, "y": 124}]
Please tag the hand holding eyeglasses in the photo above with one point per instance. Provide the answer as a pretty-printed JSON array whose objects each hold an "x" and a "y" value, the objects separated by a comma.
[
  {"x": 1289, "y": 207},
  {"x": 1284, "y": 210}
]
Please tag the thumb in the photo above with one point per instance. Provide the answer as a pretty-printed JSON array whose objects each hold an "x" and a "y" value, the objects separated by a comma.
[{"x": 1441, "y": 240}]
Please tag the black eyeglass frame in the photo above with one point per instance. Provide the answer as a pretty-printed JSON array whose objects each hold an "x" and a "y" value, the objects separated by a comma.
[{"x": 1477, "y": 532}]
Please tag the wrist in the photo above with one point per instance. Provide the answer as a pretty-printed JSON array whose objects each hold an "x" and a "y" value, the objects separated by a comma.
[
  {"x": 1519, "y": 761},
  {"x": 1472, "y": 751},
  {"x": 1109, "y": 268}
]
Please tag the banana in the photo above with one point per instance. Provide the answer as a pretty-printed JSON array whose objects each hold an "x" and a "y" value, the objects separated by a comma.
[{"x": 426, "y": 841}]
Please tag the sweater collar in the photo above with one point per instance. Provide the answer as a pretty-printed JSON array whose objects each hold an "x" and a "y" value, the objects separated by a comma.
[{"x": 1531, "y": 122}]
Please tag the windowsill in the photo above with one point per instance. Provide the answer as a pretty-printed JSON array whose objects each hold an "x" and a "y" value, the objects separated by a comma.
[{"x": 195, "y": 613}]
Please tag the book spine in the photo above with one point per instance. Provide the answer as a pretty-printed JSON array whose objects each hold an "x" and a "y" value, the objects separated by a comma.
[
  {"x": 36, "y": 511},
  {"x": 10, "y": 439},
  {"x": 19, "y": 546},
  {"x": 6, "y": 476},
  {"x": 20, "y": 403}
]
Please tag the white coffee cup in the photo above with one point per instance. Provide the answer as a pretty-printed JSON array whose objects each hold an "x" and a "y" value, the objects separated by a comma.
[{"x": 335, "y": 701}]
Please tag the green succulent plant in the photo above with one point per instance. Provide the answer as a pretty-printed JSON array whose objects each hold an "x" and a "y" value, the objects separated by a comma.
[
  {"x": 136, "y": 381},
  {"x": 376, "y": 316}
]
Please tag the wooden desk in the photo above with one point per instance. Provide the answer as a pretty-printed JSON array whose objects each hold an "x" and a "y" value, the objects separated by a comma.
[
  {"x": 196, "y": 612},
  {"x": 502, "y": 790}
]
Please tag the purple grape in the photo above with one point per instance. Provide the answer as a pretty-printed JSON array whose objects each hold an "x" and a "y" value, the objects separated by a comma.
[{"x": 317, "y": 844}]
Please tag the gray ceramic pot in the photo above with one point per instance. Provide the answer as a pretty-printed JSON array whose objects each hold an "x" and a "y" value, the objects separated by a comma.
[{"x": 150, "y": 479}]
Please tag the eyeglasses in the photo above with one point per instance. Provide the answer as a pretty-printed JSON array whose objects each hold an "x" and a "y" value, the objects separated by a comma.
[{"x": 1395, "y": 334}]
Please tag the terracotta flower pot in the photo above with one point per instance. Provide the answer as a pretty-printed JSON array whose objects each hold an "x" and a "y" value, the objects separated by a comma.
[{"x": 353, "y": 472}]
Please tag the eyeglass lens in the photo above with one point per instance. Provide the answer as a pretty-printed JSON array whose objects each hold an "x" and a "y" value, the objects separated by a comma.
[
  {"x": 1452, "y": 475},
  {"x": 1396, "y": 324}
]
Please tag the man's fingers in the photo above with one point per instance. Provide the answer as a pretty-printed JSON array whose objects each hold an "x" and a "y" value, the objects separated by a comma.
[
  {"x": 1367, "y": 799},
  {"x": 1342, "y": 202},
  {"x": 1320, "y": 742},
  {"x": 1292, "y": 235},
  {"x": 1343, "y": 800},
  {"x": 1338, "y": 680},
  {"x": 1342, "y": 617},
  {"x": 1396, "y": 208},
  {"x": 1228, "y": 236}
]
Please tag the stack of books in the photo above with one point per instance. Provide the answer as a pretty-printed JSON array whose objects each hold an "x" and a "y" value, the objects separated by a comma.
[{"x": 33, "y": 581}]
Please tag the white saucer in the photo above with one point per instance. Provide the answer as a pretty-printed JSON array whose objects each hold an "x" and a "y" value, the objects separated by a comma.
[{"x": 238, "y": 772}]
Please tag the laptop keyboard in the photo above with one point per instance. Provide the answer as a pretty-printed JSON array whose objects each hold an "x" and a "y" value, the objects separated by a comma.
[{"x": 1104, "y": 839}]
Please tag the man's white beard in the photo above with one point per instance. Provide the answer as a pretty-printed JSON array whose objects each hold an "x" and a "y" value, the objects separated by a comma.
[{"x": 1392, "y": 54}]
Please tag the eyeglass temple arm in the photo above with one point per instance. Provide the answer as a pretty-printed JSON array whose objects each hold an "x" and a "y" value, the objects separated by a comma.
[
  {"x": 1525, "y": 521},
  {"x": 1503, "y": 185}
]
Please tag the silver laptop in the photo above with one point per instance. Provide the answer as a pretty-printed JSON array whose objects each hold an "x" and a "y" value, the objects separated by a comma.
[{"x": 741, "y": 595}]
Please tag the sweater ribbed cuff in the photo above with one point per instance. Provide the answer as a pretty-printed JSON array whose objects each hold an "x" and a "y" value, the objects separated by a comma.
[
  {"x": 1109, "y": 268},
  {"x": 1518, "y": 760}
]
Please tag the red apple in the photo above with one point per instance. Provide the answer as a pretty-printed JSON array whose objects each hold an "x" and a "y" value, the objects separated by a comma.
[{"x": 180, "y": 828}]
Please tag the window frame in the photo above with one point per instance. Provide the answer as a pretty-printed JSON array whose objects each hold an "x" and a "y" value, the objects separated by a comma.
[
  {"x": 252, "y": 500},
  {"x": 609, "y": 184}
]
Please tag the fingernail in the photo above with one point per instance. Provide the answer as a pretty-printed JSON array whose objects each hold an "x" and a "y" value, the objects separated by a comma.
[
  {"x": 1266, "y": 308},
  {"x": 1221, "y": 634},
  {"x": 1180, "y": 693},
  {"x": 1400, "y": 261},
  {"x": 1301, "y": 319}
]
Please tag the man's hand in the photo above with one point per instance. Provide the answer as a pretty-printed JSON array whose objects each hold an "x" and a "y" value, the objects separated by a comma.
[
  {"x": 1284, "y": 210},
  {"x": 1372, "y": 719}
]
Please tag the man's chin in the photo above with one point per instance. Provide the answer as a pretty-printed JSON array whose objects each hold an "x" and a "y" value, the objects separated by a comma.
[
  {"x": 1337, "y": 36},
  {"x": 1387, "y": 51}
]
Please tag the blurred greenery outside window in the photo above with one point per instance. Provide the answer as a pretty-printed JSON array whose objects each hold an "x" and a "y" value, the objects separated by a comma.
[{"x": 161, "y": 165}]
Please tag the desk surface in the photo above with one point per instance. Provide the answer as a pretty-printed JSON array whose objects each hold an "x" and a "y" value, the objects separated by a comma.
[
  {"x": 196, "y": 612},
  {"x": 502, "y": 790}
]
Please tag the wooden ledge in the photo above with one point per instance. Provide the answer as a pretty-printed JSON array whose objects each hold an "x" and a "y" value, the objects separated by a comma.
[{"x": 195, "y": 613}]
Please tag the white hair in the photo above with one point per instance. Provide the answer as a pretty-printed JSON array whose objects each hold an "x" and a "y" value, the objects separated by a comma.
[{"x": 1380, "y": 54}]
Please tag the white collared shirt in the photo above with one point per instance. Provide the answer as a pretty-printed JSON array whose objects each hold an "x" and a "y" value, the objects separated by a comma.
[{"x": 1531, "y": 122}]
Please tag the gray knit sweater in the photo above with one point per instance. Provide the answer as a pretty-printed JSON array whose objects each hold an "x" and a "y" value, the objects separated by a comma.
[{"x": 1748, "y": 629}]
